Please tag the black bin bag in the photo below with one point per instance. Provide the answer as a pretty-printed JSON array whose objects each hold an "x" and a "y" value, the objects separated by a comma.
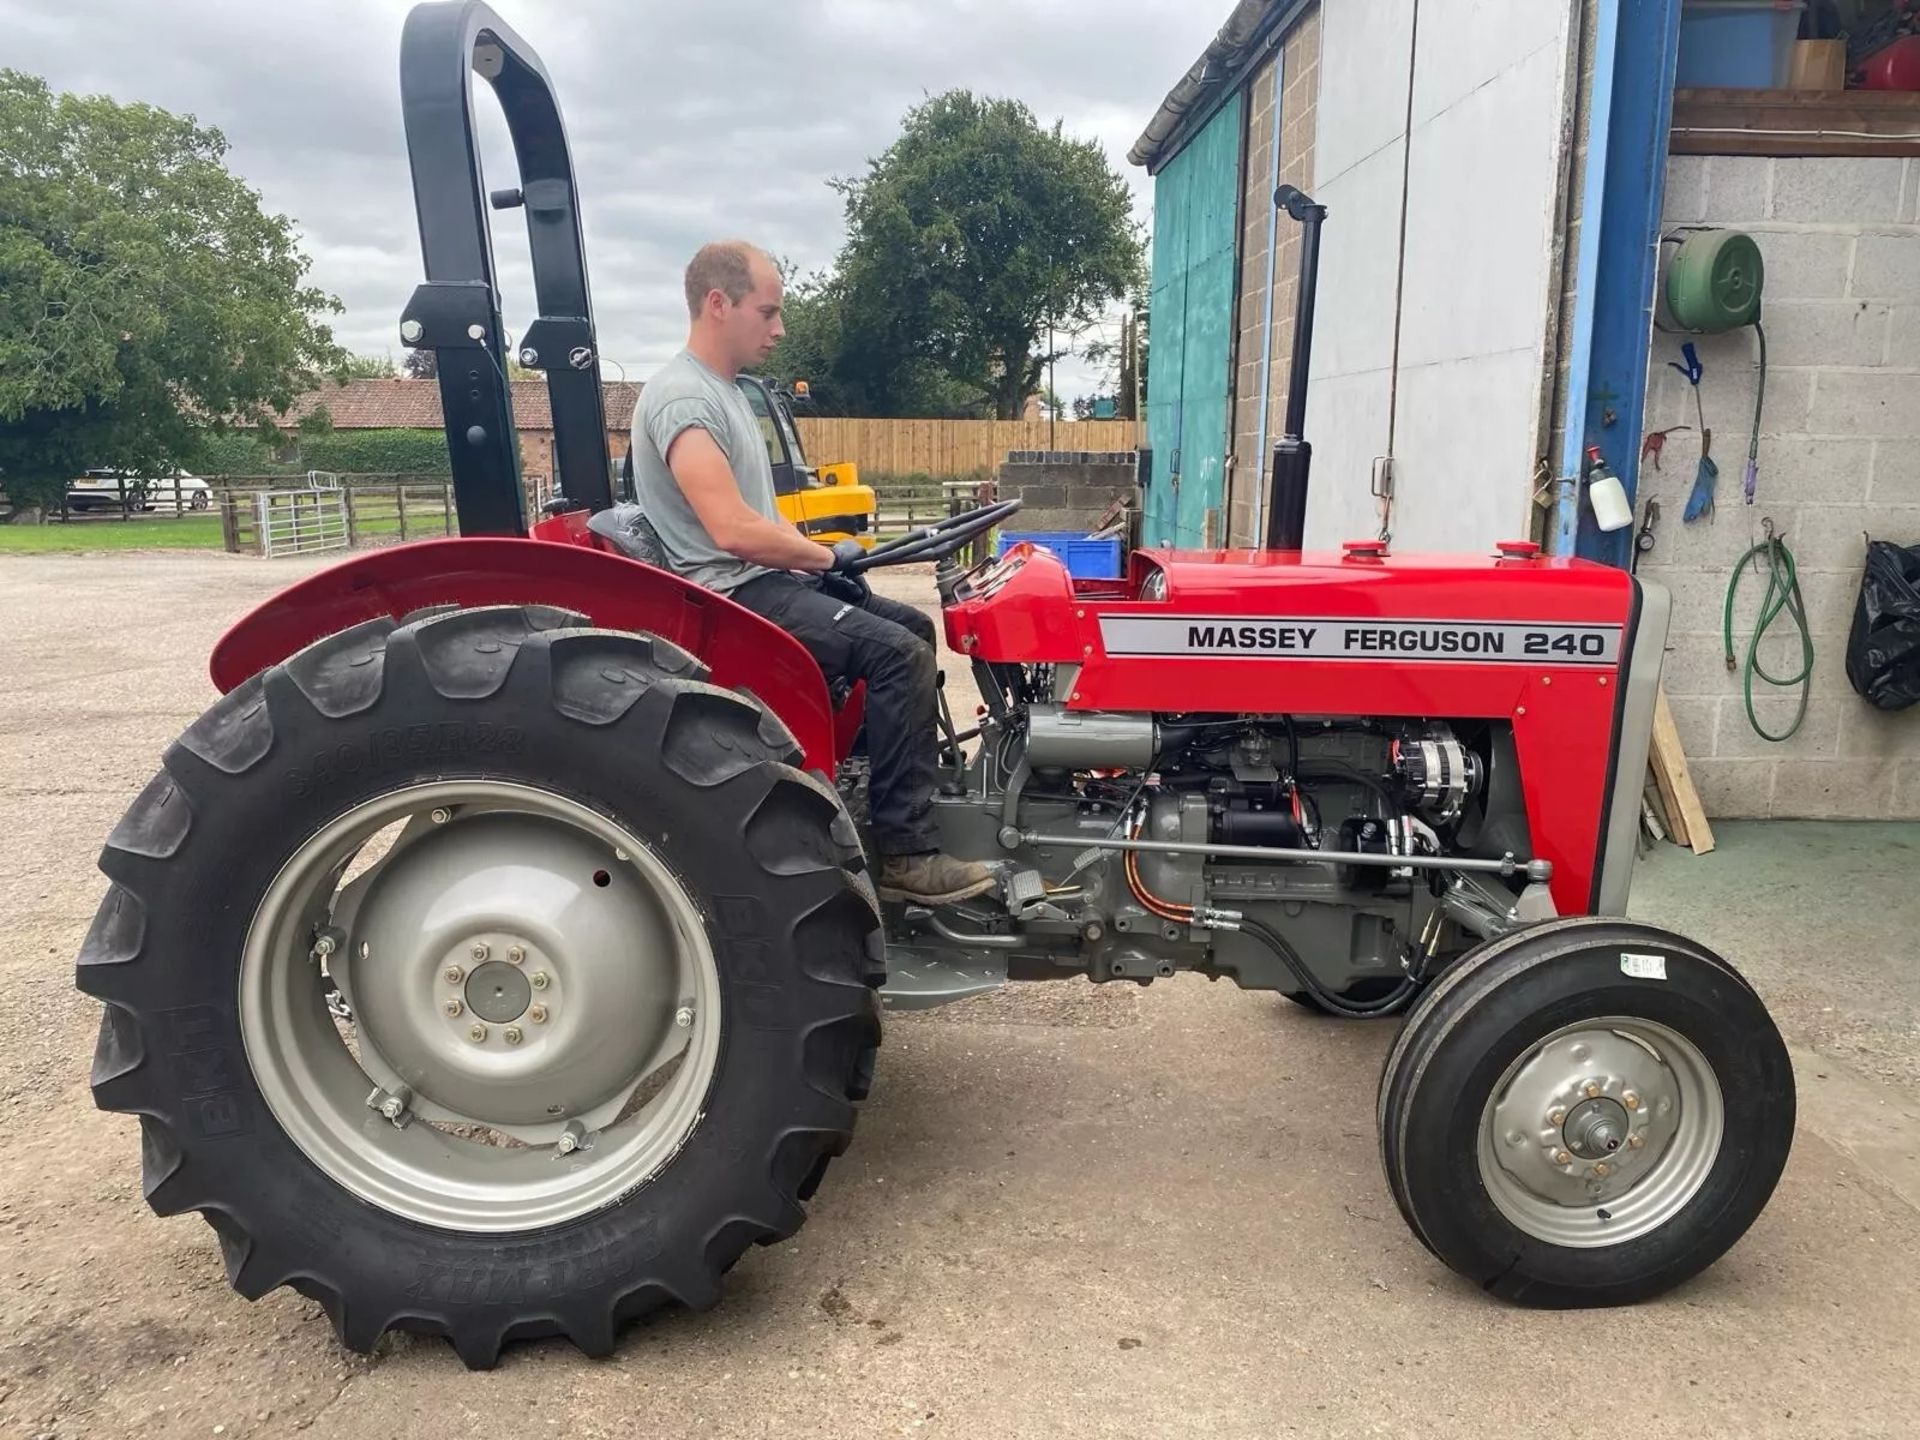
[{"x": 1883, "y": 649}]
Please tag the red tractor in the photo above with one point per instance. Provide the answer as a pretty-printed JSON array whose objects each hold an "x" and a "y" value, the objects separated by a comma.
[{"x": 498, "y": 957}]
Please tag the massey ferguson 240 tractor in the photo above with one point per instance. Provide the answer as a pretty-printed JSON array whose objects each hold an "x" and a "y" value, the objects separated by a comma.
[{"x": 499, "y": 956}]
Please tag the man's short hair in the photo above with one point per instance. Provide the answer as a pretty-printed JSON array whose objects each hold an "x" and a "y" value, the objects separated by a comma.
[{"x": 723, "y": 265}]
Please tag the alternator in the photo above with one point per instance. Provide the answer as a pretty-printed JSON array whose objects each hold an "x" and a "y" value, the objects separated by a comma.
[{"x": 1438, "y": 775}]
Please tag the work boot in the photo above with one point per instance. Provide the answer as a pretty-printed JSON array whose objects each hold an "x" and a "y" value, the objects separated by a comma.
[{"x": 931, "y": 878}]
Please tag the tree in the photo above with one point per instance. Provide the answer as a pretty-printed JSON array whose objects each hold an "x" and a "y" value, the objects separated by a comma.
[
  {"x": 1120, "y": 359},
  {"x": 145, "y": 294},
  {"x": 811, "y": 348},
  {"x": 975, "y": 234},
  {"x": 368, "y": 367},
  {"x": 421, "y": 364}
]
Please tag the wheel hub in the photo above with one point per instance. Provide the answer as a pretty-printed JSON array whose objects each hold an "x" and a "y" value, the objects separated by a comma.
[
  {"x": 596, "y": 956},
  {"x": 1596, "y": 1129},
  {"x": 1600, "y": 1131},
  {"x": 521, "y": 973},
  {"x": 498, "y": 993}
]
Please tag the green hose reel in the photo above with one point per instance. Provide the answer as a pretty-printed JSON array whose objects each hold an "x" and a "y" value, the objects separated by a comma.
[{"x": 1714, "y": 281}]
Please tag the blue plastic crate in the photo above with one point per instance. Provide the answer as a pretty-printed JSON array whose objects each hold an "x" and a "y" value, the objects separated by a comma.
[
  {"x": 1737, "y": 44},
  {"x": 1084, "y": 558}
]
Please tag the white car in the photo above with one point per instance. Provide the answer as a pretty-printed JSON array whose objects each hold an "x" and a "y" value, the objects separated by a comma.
[{"x": 106, "y": 489}]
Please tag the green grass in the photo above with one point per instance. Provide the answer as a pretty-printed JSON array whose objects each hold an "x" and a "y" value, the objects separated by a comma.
[{"x": 189, "y": 532}]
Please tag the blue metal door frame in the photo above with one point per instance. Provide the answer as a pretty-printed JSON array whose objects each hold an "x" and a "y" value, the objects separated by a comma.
[{"x": 1636, "y": 46}]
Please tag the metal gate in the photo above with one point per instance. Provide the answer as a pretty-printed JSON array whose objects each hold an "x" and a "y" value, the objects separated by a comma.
[{"x": 297, "y": 522}]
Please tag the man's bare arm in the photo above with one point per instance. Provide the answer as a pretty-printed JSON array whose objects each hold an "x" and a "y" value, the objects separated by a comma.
[{"x": 706, "y": 479}]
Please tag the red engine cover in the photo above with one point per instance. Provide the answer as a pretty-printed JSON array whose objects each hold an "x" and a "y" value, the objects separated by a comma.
[{"x": 1537, "y": 642}]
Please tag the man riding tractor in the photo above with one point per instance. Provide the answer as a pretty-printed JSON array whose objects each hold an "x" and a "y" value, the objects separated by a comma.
[{"x": 704, "y": 483}]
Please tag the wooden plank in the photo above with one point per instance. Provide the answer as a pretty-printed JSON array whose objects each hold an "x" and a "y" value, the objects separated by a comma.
[
  {"x": 1669, "y": 804},
  {"x": 1795, "y": 122},
  {"x": 1670, "y": 761}
]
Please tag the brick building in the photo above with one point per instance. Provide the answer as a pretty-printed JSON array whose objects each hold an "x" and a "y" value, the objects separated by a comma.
[{"x": 415, "y": 405}]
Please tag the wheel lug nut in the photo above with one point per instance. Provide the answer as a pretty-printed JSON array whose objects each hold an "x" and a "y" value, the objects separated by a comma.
[
  {"x": 1602, "y": 1169},
  {"x": 516, "y": 954},
  {"x": 537, "y": 1014},
  {"x": 1634, "y": 1142},
  {"x": 479, "y": 952},
  {"x": 1592, "y": 1091},
  {"x": 1630, "y": 1100},
  {"x": 1561, "y": 1157},
  {"x": 512, "y": 1035},
  {"x": 453, "y": 975},
  {"x": 1556, "y": 1117},
  {"x": 453, "y": 1009},
  {"x": 538, "y": 980},
  {"x": 477, "y": 1034}
]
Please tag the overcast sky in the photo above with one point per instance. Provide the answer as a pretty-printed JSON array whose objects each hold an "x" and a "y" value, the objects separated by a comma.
[{"x": 689, "y": 119}]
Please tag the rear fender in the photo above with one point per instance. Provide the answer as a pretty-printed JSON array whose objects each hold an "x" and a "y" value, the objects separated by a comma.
[{"x": 740, "y": 647}]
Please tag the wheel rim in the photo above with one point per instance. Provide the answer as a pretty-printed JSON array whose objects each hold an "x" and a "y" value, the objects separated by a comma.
[
  {"x": 528, "y": 1011},
  {"x": 1601, "y": 1133}
]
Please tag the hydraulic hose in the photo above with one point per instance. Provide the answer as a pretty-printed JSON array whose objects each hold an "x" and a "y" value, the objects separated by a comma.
[{"x": 1290, "y": 957}]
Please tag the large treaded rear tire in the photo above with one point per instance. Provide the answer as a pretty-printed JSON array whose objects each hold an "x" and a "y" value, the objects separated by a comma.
[{"x": 621, "y": 723}]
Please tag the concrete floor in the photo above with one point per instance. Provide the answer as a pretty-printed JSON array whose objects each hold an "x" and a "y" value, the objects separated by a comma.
[{"x": 1069, "y": 1210}]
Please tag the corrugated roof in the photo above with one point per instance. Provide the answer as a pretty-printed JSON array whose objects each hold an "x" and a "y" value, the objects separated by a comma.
[{"x": 415, "y": 404}]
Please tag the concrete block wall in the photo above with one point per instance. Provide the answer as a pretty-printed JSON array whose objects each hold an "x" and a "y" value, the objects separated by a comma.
[
  {"x": 1063, "y": 491},
  {"x": 1839, "y": 459},
  {"x": 1299, "y": 63}
]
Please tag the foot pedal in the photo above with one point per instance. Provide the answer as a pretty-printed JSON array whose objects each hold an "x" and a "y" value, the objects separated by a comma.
[{"x": 1024, "y": 889}]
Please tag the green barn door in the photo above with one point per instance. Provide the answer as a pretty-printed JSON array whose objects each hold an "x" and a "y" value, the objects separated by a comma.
[{"x": 1196, "y": 206}]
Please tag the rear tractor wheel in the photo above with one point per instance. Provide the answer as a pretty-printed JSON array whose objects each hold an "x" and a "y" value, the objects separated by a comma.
[
  {"x": 1585, "y": 1112},
  {"x": 490, "y": 976}
]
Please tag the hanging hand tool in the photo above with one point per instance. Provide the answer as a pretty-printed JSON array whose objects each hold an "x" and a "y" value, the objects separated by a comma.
[
  {"x": 1643, "y": 537},
  {"x": 1656, "y": 442},
  {"x": 1700, "y": 501}
]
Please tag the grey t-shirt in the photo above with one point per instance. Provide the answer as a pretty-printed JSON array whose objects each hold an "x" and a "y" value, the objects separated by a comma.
[{"x": 686, "y": 394}]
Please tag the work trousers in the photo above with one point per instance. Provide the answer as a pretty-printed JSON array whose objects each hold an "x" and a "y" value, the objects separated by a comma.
[{"x": 889, "y": 645}]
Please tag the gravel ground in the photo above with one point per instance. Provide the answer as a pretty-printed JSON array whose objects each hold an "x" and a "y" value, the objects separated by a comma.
[{"x": 1070, "y": 1210}]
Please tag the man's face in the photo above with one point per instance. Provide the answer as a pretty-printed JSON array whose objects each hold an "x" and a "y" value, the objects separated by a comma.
[{"x": 752, "y": 328}]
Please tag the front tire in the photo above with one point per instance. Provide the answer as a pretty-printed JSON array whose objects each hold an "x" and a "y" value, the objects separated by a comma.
[
  {"x": 467, "y": 1153},
  {"x": 1585, "y": 1113}
]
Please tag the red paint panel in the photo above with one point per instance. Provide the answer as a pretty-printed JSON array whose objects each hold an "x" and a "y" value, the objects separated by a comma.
[
  {"x": 1027, "y": 608},
  {"x": 739, "y": 646}
]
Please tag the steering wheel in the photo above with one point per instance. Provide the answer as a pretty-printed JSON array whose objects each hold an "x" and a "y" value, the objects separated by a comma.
[{"x": 935, "y": 541}]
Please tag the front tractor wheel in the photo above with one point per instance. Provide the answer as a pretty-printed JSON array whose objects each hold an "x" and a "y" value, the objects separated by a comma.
[
  {"x": 1585, "y": 1112},
  {"x": 491, "y": 976}
]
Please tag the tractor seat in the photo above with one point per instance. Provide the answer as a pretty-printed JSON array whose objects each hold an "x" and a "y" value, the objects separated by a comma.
[{"x": 628, "y": 530}]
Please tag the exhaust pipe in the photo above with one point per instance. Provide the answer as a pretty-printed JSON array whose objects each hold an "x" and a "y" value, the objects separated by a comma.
[{"x": 1292, "y": 455}]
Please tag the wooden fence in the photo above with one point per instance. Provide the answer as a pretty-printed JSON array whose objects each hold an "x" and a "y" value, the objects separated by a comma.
[{"x": 954, "y": 447}]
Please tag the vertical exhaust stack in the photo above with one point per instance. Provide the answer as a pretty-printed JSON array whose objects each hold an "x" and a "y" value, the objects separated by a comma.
[{"x": 1292, "y": 455}]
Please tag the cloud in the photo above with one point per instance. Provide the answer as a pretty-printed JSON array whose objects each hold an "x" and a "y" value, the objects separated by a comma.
[{"x": 688, "y": 119}]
